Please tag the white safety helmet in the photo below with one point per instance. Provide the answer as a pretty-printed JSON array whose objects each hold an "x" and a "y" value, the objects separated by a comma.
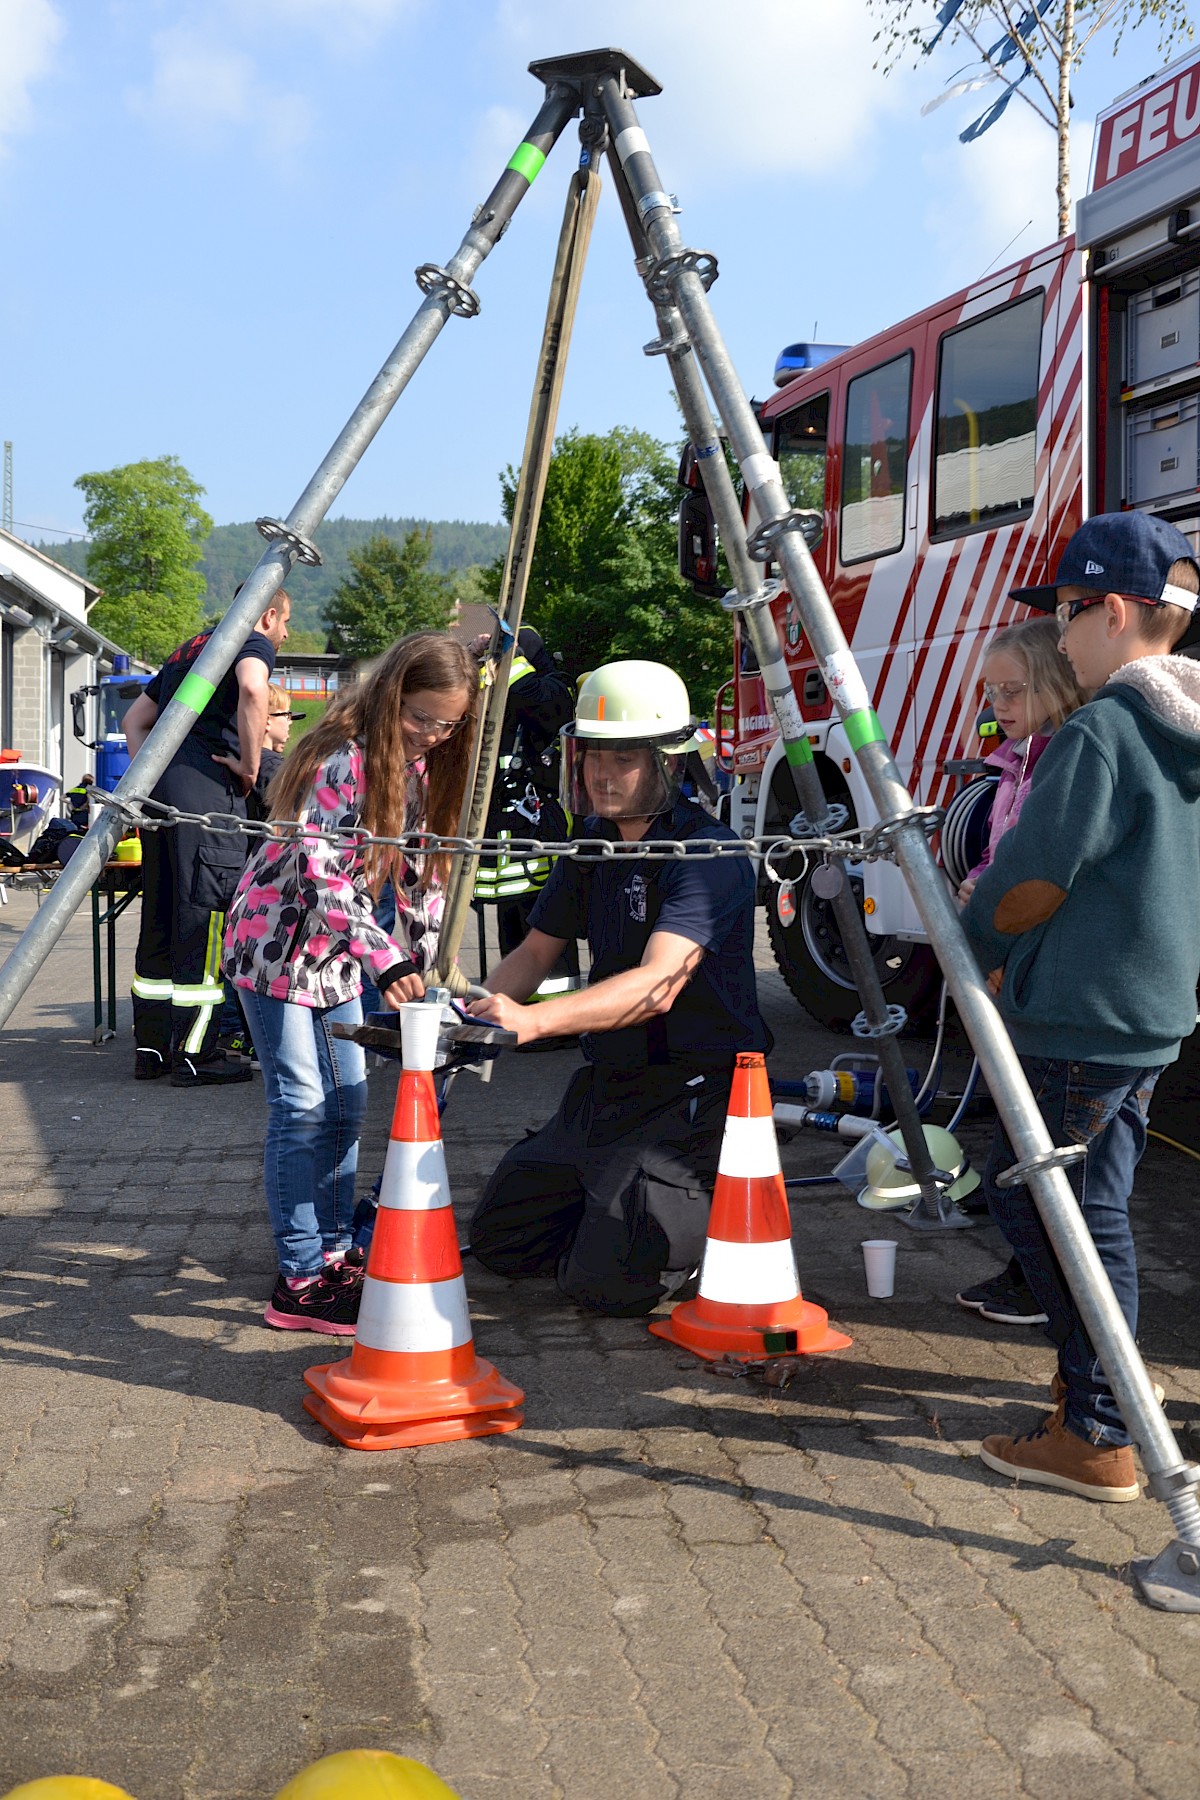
[
  {"x": 889, "y": 1189},
  {"x": 629, "y": 706}
]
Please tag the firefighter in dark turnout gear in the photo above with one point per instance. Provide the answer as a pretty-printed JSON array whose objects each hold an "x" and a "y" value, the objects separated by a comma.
[
  {"x": 189, "y": 874},
  {"x": 612, "y": 1195},
  {"x": 525, "y": 797}
]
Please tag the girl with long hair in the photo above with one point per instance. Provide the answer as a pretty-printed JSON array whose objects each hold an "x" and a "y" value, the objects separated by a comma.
[
  {"x": 1032, "y": 689},
  {"x": 390, "y": 757}
]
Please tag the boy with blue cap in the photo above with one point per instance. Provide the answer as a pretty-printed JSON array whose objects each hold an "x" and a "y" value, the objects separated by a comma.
[{"x": 1088, "y": 924}]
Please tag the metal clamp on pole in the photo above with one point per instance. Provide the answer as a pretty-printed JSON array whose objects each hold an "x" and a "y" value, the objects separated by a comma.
[
  {"x": 302, "y": 548},
  {"x": 667, "y": 346},
  {"x": 837, "y": 817},
  {"x": 761, "y": 542},
  {"x": 877, "y": 838},
  {"x": 438, "y": 284},
  {"x": 661, "y": 274},
  {"x": 891, "y": 1026},
  {"x": 1059, "y": 1158},
  {"x": 753, "y": 602}
]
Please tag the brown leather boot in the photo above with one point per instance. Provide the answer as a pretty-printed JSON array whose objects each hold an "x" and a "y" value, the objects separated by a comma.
[{"x": 1054, "y": 1457}]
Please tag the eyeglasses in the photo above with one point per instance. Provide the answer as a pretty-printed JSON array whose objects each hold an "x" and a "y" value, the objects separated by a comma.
[
  {"x": 1066, "y": 610},
  {"x": 427, "y": 727},
  {"x": 1003, "y": 690}
]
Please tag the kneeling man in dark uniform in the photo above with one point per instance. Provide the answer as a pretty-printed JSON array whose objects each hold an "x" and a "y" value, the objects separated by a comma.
[{"x": 612, "y": 1195}]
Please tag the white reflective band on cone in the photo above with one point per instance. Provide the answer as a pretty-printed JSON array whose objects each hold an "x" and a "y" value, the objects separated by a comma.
[
  {"x": 412, "y": 1316},
  {"x": 749, "y": 1148},
  {"x": 747, "y": 1274},
  {"x": 414, "y": 1177}
]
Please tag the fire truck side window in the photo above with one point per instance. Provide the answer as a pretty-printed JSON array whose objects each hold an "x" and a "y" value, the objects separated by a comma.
[
  {"x": 874, "y": 461},
  {"x": 987, "y": 419},
  {"x": 801, "y": 450}
]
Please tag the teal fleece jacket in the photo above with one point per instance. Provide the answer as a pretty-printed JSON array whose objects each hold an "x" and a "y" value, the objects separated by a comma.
[{"x": 1091, "y": 905}]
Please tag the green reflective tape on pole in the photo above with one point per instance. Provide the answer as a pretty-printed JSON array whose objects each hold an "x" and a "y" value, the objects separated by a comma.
[
  {"x": 527, "y": 160},
  {"x": 864, "y": 728},
  {"x": 798, "y": 752},
  {"x": 194, "y": 693}
]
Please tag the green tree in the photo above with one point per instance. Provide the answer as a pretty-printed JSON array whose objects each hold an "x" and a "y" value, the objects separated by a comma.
[
  {"x": 391, "y": 591},
  {"x": 1031, "y": 49},
  {"x": 604, "y": 582},
  {"x": 146, "y": 527}
]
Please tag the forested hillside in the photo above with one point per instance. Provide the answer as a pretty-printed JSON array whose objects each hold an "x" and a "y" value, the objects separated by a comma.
[{"x": 232, "y": 551}]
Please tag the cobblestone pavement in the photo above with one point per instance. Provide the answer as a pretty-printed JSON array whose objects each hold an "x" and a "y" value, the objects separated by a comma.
[{"x": 667, "y": 1583}]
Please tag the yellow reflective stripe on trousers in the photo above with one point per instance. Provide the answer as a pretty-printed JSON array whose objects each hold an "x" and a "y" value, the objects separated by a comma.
[
  {"x": 147, "y": 987},
  {"x": 206, "y": 995}
]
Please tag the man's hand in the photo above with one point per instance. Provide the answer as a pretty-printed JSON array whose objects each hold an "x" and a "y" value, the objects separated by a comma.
[
  {"x": 966, "y": 890},
  {"x": 240, "y": 774},
  {"x": 509, "y": 1015},
  {"x": 995, "y": 982},
  {"x": 398, "y": 992}
]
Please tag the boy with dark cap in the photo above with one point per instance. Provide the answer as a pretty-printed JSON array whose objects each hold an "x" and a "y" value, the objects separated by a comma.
[{"x": 1088, "y": 925}]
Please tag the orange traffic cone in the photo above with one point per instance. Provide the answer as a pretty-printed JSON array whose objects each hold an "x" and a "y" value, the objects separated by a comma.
[
  {"x": 749, "y": 1303},
  {"x": 413, "y": 1376}
]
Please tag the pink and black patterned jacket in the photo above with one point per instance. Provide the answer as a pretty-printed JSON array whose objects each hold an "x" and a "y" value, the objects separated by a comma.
[{"x": 302, "y": 928}]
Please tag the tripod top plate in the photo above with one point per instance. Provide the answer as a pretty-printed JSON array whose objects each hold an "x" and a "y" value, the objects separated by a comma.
[{"x": 587, "y": 65}]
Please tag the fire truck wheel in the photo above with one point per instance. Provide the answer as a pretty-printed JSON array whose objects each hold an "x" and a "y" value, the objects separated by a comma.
[{"x": 812, "y": 961}]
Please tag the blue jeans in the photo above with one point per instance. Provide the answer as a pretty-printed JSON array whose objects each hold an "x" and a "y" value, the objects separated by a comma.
[
  {"x": 316, "y": 1088},
  {"x": 1105, "y": 1107}
]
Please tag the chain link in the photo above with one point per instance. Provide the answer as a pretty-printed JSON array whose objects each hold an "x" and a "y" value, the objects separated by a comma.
[{"x": 857, "y": 845}]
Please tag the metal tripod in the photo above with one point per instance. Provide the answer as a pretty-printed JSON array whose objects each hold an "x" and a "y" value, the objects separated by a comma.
[{"x": 603, "y": 85}]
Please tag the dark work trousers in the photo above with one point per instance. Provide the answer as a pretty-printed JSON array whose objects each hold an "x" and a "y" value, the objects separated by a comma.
[
  {"x": 189, "y": 877},
  {"x": 614, "y": 1190}
]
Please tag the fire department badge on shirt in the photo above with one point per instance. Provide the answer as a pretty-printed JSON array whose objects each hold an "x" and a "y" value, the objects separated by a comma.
[{"x": 637, "y": 899}]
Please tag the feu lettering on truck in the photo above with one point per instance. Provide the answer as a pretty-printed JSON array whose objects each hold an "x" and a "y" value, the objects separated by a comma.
[{"x": 1152, "y": 124}]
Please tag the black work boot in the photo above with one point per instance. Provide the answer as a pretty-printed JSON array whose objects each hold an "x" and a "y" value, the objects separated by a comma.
[{"x": 208, "y": 1071}]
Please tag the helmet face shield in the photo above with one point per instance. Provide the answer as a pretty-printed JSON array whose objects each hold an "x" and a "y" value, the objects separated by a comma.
[{"x": 616, "y": 779}]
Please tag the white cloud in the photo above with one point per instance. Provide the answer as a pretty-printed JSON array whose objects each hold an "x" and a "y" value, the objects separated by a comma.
[
  {"x": 203, "y": 90},
  {"x": 29, "y": 30},
  {"x": 759, "y": 86}
]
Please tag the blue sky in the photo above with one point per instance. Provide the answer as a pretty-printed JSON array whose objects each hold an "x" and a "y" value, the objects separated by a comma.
[{"x": 212, "y": 209}]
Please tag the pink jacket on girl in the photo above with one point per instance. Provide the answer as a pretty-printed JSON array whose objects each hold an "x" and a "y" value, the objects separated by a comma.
[
  {"x": 302, "y": 925},
  {"x": 1015, "y": 763}
]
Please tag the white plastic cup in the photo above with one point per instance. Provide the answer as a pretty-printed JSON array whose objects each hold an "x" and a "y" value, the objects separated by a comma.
[
  {"x": 879, "y": 1255},
  {"x": 420, "y": 1022}
]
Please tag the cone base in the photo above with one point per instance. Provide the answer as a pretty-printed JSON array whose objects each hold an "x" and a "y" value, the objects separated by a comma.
[
  {"x": 711, "y": 1330},
  {"x": 357, "y": 1435},
  {"x": 366, "y": 1412}
]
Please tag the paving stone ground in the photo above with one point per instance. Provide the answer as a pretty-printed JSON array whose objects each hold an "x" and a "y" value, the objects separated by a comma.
[{"x": 668, "y": 1583}]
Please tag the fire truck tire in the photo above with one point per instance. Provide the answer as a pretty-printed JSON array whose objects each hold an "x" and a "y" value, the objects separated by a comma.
[{"x": 813, "y": 963}]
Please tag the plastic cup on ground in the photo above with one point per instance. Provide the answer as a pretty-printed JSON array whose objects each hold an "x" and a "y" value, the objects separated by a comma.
[{"x": 879, "y": 1255}]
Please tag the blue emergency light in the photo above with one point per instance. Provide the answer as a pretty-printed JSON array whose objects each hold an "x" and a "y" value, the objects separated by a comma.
[{"x": 797, "y": 358}]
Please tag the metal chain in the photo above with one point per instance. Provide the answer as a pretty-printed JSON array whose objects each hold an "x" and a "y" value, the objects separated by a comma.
[{"x": 859, "y": 845}]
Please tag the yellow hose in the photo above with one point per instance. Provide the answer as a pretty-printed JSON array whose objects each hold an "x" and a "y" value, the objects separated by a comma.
[{"x": 1175, "y": 1144}]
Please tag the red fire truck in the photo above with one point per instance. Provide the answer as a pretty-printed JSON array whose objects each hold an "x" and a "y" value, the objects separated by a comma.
[{"x": 950, "y": 458}]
